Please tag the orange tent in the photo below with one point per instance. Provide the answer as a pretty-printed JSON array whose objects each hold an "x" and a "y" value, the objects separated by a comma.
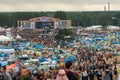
[{"x": 11, "y": 66}]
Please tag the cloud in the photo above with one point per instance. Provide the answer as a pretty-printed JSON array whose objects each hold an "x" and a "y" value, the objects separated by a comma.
[
  {"x": 4, "y": 7},
  {"x": 54, "y": 5}
]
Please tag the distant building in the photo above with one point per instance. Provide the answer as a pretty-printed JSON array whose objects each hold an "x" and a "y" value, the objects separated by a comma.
[
  {"x": 44, "y": 23},
  {"x": 64, "y": 24},
  {"x": 23, "y": 24}
]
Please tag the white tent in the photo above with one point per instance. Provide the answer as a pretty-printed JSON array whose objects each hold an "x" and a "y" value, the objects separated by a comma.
[
  {"x": 7, "y": 50},
  {"x": 45, "y": 63},
  {"x": 5, "y": 38},
  {"x": 2, "y": 29},
  {"x": 113, "y": 27},
  {"x": 18, "y": 37},
  {"x": 96, "y": 27}
]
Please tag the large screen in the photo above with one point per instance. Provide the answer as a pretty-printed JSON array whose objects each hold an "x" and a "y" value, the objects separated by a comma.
[{"x": 42, "y": 25}]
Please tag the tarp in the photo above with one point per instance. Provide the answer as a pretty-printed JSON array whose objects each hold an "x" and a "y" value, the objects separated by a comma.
[{"x": 7, "y": 50}]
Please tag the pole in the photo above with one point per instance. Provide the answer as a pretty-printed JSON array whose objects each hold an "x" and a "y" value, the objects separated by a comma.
[
  {"x": 104, "y": 8},
  {"x": 108, "y": 5}
]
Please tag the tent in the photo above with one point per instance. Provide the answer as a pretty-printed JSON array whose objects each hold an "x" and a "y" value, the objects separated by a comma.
[
  {"x": 7, "y": 50},
  {"x": 5, "y": 38},
  {"x": 42, "y": 59},
  {"x": 88, "y": 40},
  {"x": 95, "y": 27},
  {"x": 45, "y": 63},
  {"x": 113, "y": 27},
  {"x": 18, "y": 37},
  {"x": 3, "y": 63}
]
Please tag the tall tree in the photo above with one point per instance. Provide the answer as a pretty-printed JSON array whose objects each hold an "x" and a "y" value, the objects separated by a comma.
[
  {"x": 65, "y": 35},
  {"x": 60, "y": 15}
]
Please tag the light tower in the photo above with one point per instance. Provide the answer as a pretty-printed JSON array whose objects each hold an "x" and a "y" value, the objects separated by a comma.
[
  {"x": 104, "y": 8},
  {"x": 108, "y": 5}
]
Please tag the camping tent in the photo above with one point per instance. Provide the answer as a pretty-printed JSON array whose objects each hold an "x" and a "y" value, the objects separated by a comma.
[
  {"x": 7, "y": 50},
  {"x": 18, "y": 37}
]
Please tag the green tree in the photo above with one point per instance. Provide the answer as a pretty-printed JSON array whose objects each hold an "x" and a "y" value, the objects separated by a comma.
[
  {"x": 63, "y": 33},
  {"x": 116, "y": 19},
  {"x": 60, "y": 15}
]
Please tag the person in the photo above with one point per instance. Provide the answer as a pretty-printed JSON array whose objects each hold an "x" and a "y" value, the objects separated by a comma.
[
  {"x": 47, "y": 76},
  {"x": 4, "y": 74},
  {"x": 12, "y": 74},
  {"x": 108, "y": 74},
  {"x": 70, "y": 74},
  {"x": 115, "y": 72},
  {"x": 62, "y": 75},
  {"x": 91, "y": 75},
  {"x": 25, "y": 74},
  {"x": 84, "y": 74},
  {"x": 99, "y": 73}
]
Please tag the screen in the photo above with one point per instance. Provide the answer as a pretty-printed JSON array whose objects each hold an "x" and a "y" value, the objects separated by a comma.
[{"x": 41, "y": 25}]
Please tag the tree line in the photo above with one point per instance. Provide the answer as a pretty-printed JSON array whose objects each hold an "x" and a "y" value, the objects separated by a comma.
[{"x": 83, "y": 19}]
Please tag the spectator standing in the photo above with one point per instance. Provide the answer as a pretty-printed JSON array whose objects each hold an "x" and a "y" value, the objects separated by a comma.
[
  {"x": 70, "y": 74},
  {"x": 25, "y": 74},
  {"x": 4, "y": 74}
]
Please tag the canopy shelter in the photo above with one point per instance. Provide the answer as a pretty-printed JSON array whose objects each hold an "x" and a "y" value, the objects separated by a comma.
[{"x": 5, "y": 38}]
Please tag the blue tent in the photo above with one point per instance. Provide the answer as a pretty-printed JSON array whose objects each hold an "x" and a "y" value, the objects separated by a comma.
[
  {"x": 99, "y": 39},
  {"x": 69, "y": 44},
  {"x": 65, "y": 60},
  {"x": 95, "y": 35},
  {"x": 116, "y": 43},
  {"x": 50, "y": 49},
  {"x": 117, "y": 34},
  {"x": 38, "y": 46},
  {"x": 72, "y": 58},
  {"x": 88, "y": 40},
  {"x": 4, "y": 63},
  {"x": 42, "y": 59},
  {"x": 54, "y": 58}
]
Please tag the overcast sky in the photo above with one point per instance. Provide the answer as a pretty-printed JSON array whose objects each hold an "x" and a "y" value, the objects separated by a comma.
[{"x": 55, "y": 5}]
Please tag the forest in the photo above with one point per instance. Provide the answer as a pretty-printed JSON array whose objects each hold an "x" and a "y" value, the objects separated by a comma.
[{"x": 83, "y": 19}]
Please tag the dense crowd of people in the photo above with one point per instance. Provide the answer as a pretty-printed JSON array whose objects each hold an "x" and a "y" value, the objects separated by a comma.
[
  {"x": 44, "y": 39},
  {"x": 88, "y": 66}
]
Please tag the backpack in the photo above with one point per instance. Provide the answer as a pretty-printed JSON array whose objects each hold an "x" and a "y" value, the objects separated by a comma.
[{"x": 108, "y": 75}]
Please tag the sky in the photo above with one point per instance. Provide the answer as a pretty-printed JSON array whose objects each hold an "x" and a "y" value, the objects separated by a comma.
[{"x": 58, "y": 5}]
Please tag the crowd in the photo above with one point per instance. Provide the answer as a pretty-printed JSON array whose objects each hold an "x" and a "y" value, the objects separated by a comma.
[
  {"x": 44, "y": 39},
  {"x": 88, "y": 66}
]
